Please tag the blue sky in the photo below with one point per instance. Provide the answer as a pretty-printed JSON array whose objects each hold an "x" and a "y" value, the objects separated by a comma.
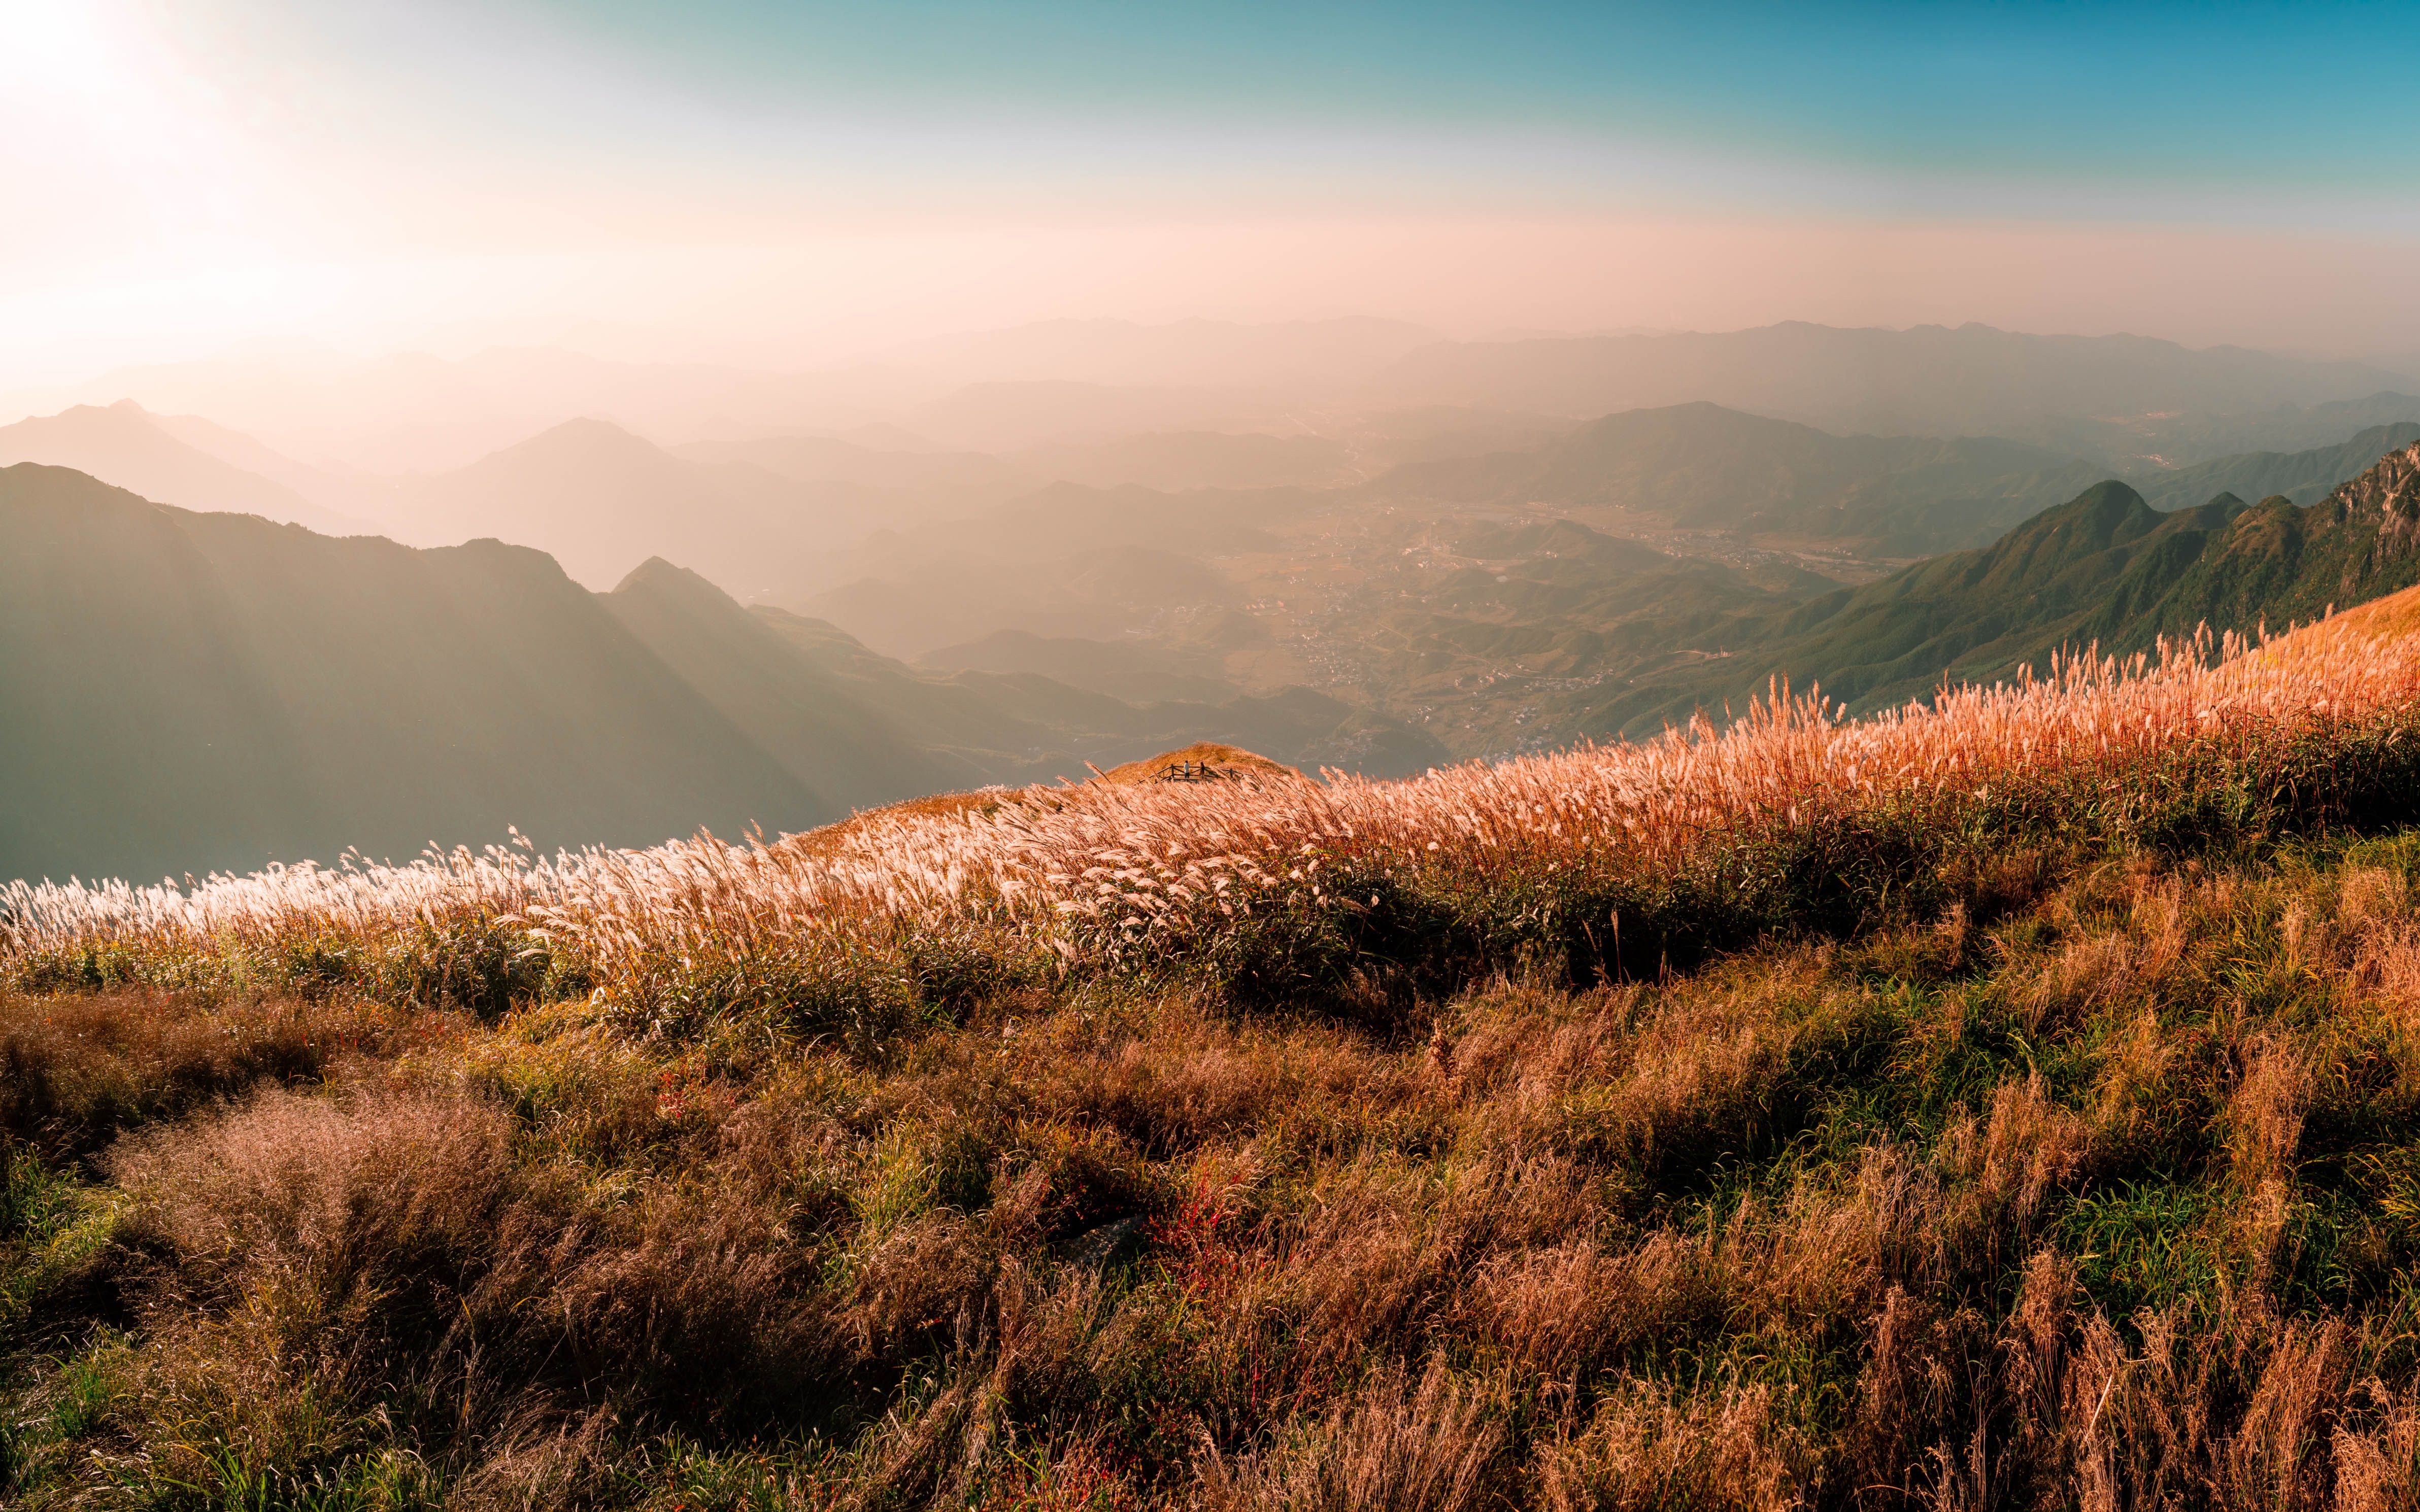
[
  {"x": 736, "y": 178},
  {"x": 2177, "y": 99}
]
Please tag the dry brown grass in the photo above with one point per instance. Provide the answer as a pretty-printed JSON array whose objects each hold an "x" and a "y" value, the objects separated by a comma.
[
  {"x": 1646, "y": 1450},
  {"x": 1110, "y": 875},
  {"x": 2088, "y": 1183},
  {"x": 75, "y": 1070},
  {"x": 1389, "y": 1447},
  {"x": 1636, "y": 1247}
]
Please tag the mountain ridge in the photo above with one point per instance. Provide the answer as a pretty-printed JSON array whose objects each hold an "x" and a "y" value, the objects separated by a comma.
[
  {"x": 1924, "y": 380},
  {"x": 2103, "y": 571},
  {"x": 129, "y": 447},
  {"x": 190, "y": 691}
]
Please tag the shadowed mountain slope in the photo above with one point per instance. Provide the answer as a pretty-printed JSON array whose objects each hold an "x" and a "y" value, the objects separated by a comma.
[
  {"x": 184, "y": 691},
  {"x": 791, "y": 708}
]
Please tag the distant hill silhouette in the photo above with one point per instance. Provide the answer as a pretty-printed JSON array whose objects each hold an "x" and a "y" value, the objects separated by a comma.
[
  {"x": 1705, "y": 467},
  {"x": 920, "y": 482},
  {"x": 601, "y": 501},
  {"x": 124, "y": 445},
  {"x": 1120, "y": 669},
  {"x": 1196, "y": 459},
  {"x": 1011, "y": 725},
  {"x": 1926, "y": 381},
  {"x": 1295, "y": 353},
  {"x": 1008, "y": 415}
]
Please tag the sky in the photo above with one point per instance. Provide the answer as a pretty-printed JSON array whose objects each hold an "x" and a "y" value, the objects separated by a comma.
[{"x": 787, "y": 185}]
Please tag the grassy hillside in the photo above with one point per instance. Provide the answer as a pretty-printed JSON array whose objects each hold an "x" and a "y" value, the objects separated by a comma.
[{"x": 2007, "y": 1101}]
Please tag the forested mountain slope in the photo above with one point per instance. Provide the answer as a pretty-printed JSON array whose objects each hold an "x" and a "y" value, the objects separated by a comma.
[{"x": 2104, "y": 569}]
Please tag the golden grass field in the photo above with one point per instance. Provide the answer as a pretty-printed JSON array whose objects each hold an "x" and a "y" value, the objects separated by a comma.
[{"x": 2007, "y": 1100}]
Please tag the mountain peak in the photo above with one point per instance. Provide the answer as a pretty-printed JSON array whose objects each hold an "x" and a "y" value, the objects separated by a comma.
[
  {"x": 126, "y": 445},
  {"x": 2111, "y": 496},
  {"x": 589, "y": 431},
  {"x": 585, "y": 443},
  {"x": 662, "y": 578},
  {"x": 116, "y": 418},
  {"x": 2391, "y": 488}
]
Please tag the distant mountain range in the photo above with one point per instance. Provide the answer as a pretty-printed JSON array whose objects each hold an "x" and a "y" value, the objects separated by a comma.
[
  {"x": 1063, "y": 561},
  {"x": 186, "y": 692},
  {"x": 937, "y": 480},
  {"x": 1701, "y": 466},
  {"x": 152, "y": 455},
  {"x": 2299, "y": 477},
  {"x": 1930, "y": 381},
  {"x": 200, "y": 682},
  {"x": 934, "y": 480},
  {"x": 1294, "y": 354},
  {"x": 2136, "y": 444},
  {"x": 601, "y": 501},
  {"x": 2115, "y": 400}
]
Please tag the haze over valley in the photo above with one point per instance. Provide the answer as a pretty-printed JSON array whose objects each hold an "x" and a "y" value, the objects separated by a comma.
[{"x": 1035, "y": 552}]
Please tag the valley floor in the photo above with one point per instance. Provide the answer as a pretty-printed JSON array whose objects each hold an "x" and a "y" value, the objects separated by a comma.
[{"x": 2100, "y": 1188}]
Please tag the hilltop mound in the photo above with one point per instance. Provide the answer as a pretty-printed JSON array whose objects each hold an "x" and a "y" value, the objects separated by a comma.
[{"x": 1203, "y": 762}]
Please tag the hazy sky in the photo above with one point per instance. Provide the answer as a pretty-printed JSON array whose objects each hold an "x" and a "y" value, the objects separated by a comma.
[{"x": 781, "y": 184}]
